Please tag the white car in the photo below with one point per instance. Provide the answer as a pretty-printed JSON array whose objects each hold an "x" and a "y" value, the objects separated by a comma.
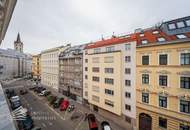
[
  {"x": 14, "y": 98},
  {"x": 42, "y": 93}
]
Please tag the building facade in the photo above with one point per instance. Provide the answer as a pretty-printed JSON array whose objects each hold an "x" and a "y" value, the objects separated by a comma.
[
  {"x": 36, "y": 66},
  {"x": 109, "y": 78},
  {"x": 6, "y": 11},
  {"x": 50, "y": 66},
  {"x": 163, "y": 76},
  {"x": 71, "y": 72}
]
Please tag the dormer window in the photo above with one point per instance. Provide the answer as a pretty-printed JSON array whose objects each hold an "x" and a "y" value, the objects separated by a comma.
[
  {"x": 161, "y": 39},
  {"x": 180, "y": 24},
  {"x": 188, "y": 22},
  {"x": 181, "y": 36},
  {"x": 171, "y": 26},
  {"x": 141, "y": 34},
  {"x": 144, "y": 42},
  {"x": 155, "y": 32}
]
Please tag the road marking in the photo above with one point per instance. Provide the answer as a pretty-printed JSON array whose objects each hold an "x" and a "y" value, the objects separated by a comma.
[
  {"x": 76, "y": 128},
  {"x": 43, "y": 124},
  {"x": 50, "y": 123}
]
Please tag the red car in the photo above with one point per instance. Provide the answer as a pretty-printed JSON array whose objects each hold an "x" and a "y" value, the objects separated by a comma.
[
  {"x": 64, "y": 105},
  {"x": 92, "y": 122}
]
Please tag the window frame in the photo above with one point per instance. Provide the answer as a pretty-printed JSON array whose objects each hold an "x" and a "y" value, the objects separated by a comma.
[
  {"x": 185, "y": 58},
  {"x": 163, "y": 119},
  {"x": 188, "y": 106},
  {"x": 179, "y": 22},
  {"x": 161, "y": 104},
  {"x": 185, "y": 80},
  {"x": 145, "y": 99},
  {"x": 181, "y": 36},
  {"x": 142, "y": 62},
  {"x": 160, "y": 60},
  {"x": 146, "y": 78},
  {"x": 163, "y": 85},
  {"x": 173, "y": 28}
]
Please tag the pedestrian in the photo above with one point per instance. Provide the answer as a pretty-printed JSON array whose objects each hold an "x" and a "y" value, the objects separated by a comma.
[{"x": 86, "y": 115}]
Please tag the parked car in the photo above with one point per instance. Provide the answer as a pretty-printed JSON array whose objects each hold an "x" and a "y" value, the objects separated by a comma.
[
  {"x": 53, "y": 99},
  {"x": 47, "y": 93},
  {"x": 105, "y": 125},
  {"x": 42, "y": 93},
  {"x": 26, "y": 124},
  {"x": 64, "y": 105},
  {"x": 92, "y": 122},
  {"x": 71, "y": 108},
  {"x": 15, "y": 102},
  {"x": 58, "y": 102},
  {"x": 24, "y": 91},
  {"x": 39, "y": 89}
]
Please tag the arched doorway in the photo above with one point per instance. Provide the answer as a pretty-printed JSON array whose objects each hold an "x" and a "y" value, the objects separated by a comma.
[{"x": 145, "y": 122}]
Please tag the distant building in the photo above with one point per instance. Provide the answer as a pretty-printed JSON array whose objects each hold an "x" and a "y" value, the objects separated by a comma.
[
  {"x": 71, "y": 72},
  {"x": 18, "y": 45},
  {"x": 6, "y": 11},
  {"x": 36, "y": 66},
  {"x": 163, "y": 76},
  {"x": 50, "y": 66},
  {"x": 14, "y": 64}
]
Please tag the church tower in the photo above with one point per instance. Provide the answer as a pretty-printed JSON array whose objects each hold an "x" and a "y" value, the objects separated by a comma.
[{"x": 18, "y": 45}]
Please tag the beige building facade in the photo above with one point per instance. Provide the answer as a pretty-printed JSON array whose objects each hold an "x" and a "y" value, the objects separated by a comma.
[
  {"x": 36, "y": 66},
  {"x": 163, "y": 77},
  {"x": 50, "y": 66}
]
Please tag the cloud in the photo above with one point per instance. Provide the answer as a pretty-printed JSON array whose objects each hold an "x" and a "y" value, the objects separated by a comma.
[{"x": 45, "y": 23}]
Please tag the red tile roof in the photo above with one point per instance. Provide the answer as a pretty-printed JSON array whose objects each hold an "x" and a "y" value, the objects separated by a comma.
[{"x": 148, "y": 35}]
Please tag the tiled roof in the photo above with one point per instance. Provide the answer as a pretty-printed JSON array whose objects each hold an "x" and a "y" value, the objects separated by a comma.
[{"x": 112, "y": 41}]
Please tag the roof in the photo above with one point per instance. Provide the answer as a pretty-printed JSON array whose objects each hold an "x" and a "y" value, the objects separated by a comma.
[
  {"x": 112, "y": 41},
  {"x": 151, "y": 35}
]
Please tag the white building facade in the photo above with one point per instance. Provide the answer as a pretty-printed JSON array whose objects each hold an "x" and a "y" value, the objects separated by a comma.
[{"x": 50, "y": 66}]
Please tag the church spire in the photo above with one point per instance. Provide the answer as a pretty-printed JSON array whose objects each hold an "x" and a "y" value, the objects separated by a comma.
[{"x": 18, "y": 38}]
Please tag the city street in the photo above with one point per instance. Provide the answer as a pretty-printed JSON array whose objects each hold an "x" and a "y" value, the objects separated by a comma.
[{"x": 45, "y": 116}]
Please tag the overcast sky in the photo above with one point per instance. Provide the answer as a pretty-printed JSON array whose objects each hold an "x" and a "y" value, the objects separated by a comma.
[{"x": 49, "y": 23}]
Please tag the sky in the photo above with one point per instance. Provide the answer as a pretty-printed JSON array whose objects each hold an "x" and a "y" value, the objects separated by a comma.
[{"x": 44, "y": 24}]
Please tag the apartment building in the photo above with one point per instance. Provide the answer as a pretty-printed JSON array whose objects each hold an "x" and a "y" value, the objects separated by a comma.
[
  {"x": 50, "y": 66},
  {"x": 109, "y": 78},
  {"x": 71, "y": 72},
  {"x": 163, "y": 76},
  {"x": 36, "y": 66}
]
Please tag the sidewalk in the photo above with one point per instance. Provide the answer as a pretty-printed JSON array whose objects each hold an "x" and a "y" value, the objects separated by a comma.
[{"x": 84, "y": 109}]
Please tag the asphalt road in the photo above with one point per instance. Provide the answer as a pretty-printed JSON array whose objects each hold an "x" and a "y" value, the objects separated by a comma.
[{"x": 42, "y": 114}]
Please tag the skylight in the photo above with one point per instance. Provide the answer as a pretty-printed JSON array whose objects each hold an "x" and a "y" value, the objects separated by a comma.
[
  {"x": 172, "y": 26},
  {"x": 180, "y": 24},
  {"x": 161, "y": 39},
  {"x": 142, "y": 35},
  {"x": 155, "y": 32},
  {"x": 144, "y": 42},
  {"x": 181, "y": 36}
]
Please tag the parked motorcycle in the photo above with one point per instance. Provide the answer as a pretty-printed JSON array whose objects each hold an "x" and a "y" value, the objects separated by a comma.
[{"x": 71, "y": 108}]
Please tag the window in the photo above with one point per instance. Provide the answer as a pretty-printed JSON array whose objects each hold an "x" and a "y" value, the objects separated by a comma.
[
  {"x": 86, "y": 60},
  {"x": 127, "y": 47},
  {"x": 187, "y": 22},
  {"x": 95, "y": 88},
  {"x": 161, "y": 39},
  {"x": 127, "y": 58},
  {"x": 127, "y": 82},
  {"x": 110, "y": 49},
  {"x": 127, "y": 107},
  {"x": 185, "y": 58},
  {"x": 180, "y": 24},
  {"x": 95, "y": 69},
  {"x": 97, "y": 50},
  {"x": 109, "y": 103},
  {"x": 142, "y": 35},
  {"x": 145, "y": 78},
  {"x": 95, "y": 60},
  {"x": 163, "y": 80},
  {"x": 184, "y": 127},
  {"x": 162, "y": 122},
  {"x": 155, "y": 32},
  {"x": 86, "y": 68},
  {"x": 109, "y": 70},
  {"x": 127, "y": 119},
  {"x": 95, "y": 98},
  {"x": 127, "y": 71},
  {"x": 163, "y": 59},
  {"x": 181, "y": 36},
  {"x": 185, "y": 106},
  {"x": 163, "y": 101},
  {"x": 145, "y": 97},
  {"x": 144, "y": 42},
  {"x": 108, "y": 59},
  {"x": 96, "y": 79},
  {"x": 145, "y": 60},
  {"x": 171, "y": 26},
  {"x": 109, "y": 81},
  {"x": 127, "y": 95},
  {"x": 108, "y": 91},
  {"x": 86, "y": 76},
  {"x": 185, "y": 82},
  {"x": 86, "y": 93}
]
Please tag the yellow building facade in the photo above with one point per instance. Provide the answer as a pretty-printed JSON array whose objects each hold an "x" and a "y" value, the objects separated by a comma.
[
  {"x": 36, "y": 66},
  {"x": 154, "y": 111}
]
